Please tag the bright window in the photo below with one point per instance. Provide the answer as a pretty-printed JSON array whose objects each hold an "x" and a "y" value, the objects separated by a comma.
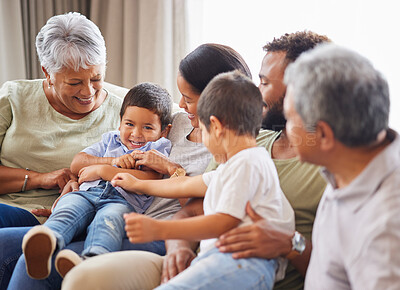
[{"x": 369, "y": 27}]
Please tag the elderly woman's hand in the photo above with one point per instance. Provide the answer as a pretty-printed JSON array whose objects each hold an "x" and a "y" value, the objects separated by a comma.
[
  {"x": 155, "y": 160},
  {"x": 52, "y": 180}
]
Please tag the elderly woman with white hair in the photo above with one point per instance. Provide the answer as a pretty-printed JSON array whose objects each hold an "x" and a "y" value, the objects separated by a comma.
[{"x": 45, "y": 122}]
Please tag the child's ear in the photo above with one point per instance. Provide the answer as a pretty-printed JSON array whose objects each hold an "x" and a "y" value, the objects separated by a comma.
[
  {"x": 166, "y": 130},
  {"x": 216, "y": 125}
]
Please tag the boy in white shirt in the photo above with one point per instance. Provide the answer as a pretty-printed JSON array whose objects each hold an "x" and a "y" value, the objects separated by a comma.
[{"x": 230, "y": 113}]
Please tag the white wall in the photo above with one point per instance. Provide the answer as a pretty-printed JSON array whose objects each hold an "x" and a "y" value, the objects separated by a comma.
[{"x": 367, "y": 26}]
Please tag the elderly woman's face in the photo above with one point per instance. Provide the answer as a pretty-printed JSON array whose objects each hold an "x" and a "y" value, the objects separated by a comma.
[{"x": 79, "y": 92}]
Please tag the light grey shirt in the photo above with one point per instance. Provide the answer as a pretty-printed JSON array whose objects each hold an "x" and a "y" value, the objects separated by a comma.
[
  {"x": 356, "y": 235},
  {"x": 193, "y": 157}
]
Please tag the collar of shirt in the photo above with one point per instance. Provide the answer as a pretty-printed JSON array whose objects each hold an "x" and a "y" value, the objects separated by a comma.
[{"x": 360, "y": 190}]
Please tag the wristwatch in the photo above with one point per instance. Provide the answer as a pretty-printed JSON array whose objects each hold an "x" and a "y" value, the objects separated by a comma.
[
  {"x": 179, "y": 172},
  {"x": 298, "y": 245}
]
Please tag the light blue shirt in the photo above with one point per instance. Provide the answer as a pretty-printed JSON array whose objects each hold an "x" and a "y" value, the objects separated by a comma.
[{"x": 111, "y": 146}]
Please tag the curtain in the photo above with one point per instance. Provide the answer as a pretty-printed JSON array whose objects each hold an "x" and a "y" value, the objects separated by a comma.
[
  {"x": 34, "y": 16},
  {"x": 11, "y": 42},
  {"x": 145, "y": 39}
]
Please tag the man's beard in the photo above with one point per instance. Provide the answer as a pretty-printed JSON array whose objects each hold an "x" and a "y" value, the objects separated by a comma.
[{"x": 274, "y": 119}]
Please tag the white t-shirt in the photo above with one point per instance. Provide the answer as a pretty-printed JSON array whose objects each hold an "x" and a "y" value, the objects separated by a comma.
[{"x": 250, "y": 175}]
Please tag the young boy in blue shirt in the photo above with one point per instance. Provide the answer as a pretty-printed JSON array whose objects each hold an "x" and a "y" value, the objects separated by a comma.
[
  {"x": 230, "y": 114},
  {"x": 98, "y": 207}
]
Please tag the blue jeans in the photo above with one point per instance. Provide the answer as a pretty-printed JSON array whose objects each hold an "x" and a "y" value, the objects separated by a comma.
[
  {"x": 216, "y": 270},
  {"x": 99, "y": 211},
  {"x": 11, "y": 216},
  {"x": 10, "y": 253}
]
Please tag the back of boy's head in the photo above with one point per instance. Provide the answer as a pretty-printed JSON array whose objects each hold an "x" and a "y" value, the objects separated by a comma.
[
  {"x": 235, "y": 100},
  {"x": 152, "y": 97}
]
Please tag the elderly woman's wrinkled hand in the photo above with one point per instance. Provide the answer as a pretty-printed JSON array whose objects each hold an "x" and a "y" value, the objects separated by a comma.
[{"x": 55, "y": 179}]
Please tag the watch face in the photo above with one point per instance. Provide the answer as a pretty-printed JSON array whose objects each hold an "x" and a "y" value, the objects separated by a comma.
[{"x": 298, "y": 242}]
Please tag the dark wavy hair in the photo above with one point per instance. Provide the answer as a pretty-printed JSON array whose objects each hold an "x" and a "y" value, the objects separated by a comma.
[{"x": 295, "y": 44}]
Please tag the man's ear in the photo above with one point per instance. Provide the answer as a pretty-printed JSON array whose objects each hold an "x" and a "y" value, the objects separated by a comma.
[
  {"x": 216, "y": 125},
  {"x": 166, "y": 130},
  {"x": 325, "y": 135}
]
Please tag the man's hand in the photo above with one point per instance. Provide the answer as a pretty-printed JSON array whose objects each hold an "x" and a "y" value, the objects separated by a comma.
[
  {"x": 125, "y": 161},
  {"x": 257, "y": 240},
  {"x": 90, "y": 173},
  {"x": 175, "y": 262},
  {"x": 140, "y": 228},
  {"x": 126, "y": 181}
]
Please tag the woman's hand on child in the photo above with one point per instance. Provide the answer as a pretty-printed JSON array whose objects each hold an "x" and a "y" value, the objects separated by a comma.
[
  {"x": 125, "y": 180},
  {"x": 140, "y": 228},
  {"x": 125, "y": 161}
]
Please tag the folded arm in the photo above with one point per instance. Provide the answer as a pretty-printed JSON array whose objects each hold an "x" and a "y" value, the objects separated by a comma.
[{"x": 107, "y": 172}]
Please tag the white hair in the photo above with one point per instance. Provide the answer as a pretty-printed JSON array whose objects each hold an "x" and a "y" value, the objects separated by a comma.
[
  {"x": 70, "y": 41},
  {"x": 342, "y": 88}
]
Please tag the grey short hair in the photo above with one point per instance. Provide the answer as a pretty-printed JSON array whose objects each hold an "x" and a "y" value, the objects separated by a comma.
[
  {"x": 342, "y": 88},
  {"x": 70, "y": 41}
]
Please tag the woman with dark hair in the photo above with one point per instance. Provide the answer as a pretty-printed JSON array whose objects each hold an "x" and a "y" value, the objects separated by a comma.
[{"x": 139, "y": 269}]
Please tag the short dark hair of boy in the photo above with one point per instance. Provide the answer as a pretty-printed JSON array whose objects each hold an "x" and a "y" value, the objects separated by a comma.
[
  {"x": 152, "y": 97},
  {"x": 235, "y": 100}
]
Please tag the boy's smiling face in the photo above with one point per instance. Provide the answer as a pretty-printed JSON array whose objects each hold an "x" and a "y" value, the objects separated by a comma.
[{"x": 139, "y": 126}]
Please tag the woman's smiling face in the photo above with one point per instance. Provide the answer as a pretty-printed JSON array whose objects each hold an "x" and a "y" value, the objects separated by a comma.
[
  {"x": 189, "y": 100},
  {"x": 78, "y": 92}
]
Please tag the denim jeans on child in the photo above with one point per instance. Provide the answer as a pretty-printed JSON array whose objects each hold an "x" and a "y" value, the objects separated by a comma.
[
  {"x": 99, "y": 210},
  {"x": 216, "y": 270}
]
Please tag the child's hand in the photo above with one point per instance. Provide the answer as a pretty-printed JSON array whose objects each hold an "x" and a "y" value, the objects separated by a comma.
[
  {"x": 125, "y": 161},
  {"x": 90, "y": 173},
  {"x": 140, "y": 228},
  {"x": 126, "y": 181}
]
